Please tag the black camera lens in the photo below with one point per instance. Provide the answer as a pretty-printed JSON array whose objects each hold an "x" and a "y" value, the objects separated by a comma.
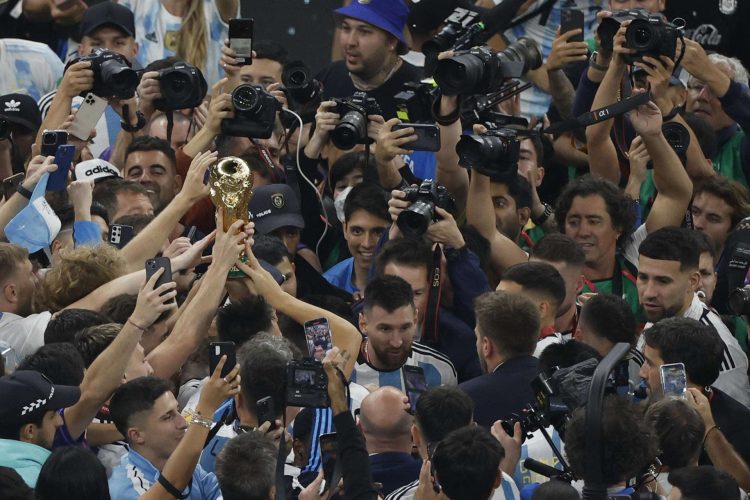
[
  {"x": 176, "y": 86},
  {"x": 246, "y": 98},
  {"x": 414, "y": 220},
  {"x": 350, "y": 131},
  {"x": 639, "y": 35},
  {"x": 120, "y": 78},
  {"x": 524, "y": 50},
  {"x": 739, "y": 301},
  {"x": 459, "y": 73},
  {"x": 441, "y": 42}
]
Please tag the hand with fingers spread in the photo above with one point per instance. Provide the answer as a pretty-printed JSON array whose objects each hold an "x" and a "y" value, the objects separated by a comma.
[
  {"x": 193, "y": 189},
  {"x": 78, "y": 78},
  {"x": 191, "y": 257},
  {"x": 152, "y": 302},
  {"x": 646, "y": 119},
  {"x": 229, "y": 244},
  {"x": 388, "y": 143},
  {"x": 218, "y": 389},
  {"x": 38, "y": 166},
  {"x": 564, "y": 52}
]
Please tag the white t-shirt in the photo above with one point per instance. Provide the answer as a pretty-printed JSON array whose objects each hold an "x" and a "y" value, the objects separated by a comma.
[
  {"x": 506, "y": 491},
  {"x": 28, "y": 68},
  {"x": 25, "y": 335},
  {"x": 156, "y": 34}
]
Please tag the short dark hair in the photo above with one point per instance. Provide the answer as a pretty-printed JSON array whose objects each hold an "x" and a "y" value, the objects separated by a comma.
[
  {"x": 133, "y": 397},
  {"x": 441, "y": 410},
  {"x": 610, "y": 317},
  {"x": 246, "y": 467},
  {"x": 347, "y": 163},
  {"x": 672, "y": 243},
  {"x": 558, "y": 247},
  {"x": 12, "y": 486},
  {"x": 270, "y": 49},
  {"x": 467, "y": 463},
  {"x": 680, "y": 430},
  {"x": 619, "y": 205},
  {"x": 412, "y": 253},
  {"x": 704, "y": 244},
  {"x": 240, "y": 321},
  {"x": 388, "y": 292},
  {"x": 510, "y": 321},
  {"x": 64, "y": 325},
  {"x": 628, "y": 444},
  {"x": 519, "y": 189},
  {"x": 70, "y": 473},
  {"x": 555, "y": 489},
  {"x": 730, "y": 191},
  {"x": 106, "y": 191},
  {"x": 263, "y": 361},
  {"x": 685, "y": 340},
  {"x": 368, "y": 197},
  {"x": 269, "y": 248},
  {"x": 149, "y": 143},
  {"x": 704, "y": 482},
  {"x": 538, "y": 278},
  {"x": 60, "y": 362},
  {"x": 92, "y": 341},
  {"x": 565, "y": 355}
]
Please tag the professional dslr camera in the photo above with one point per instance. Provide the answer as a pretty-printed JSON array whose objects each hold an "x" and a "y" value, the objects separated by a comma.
[
  {"x": 461, "y": 30},
  {"x": 255, "y": 113},
  {"x": 306, "y": 384},
  {"x": 352, "y": 128},
  {"x": 299, "y": 86},
  {"x": 678, "y": 138},
  {"x": 113, "y": 76},
  {"x": 494, "y": 153},
  {"x": 649, "y": 34},
  {"x": 479, "y": 70},
  {"x": 417, "y": 217},
  {"x": 182, "y": 87}
]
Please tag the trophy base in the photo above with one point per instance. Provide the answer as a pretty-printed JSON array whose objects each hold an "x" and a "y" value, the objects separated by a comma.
[{"x": 235, "y": 272}]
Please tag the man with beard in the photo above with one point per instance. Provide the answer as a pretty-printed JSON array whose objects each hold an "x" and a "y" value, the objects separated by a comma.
[
  {"x": 507, "y": 332},
  {"x": 151, "y": 162},
  {"x": 389, "y": 322},
  {"x": 667, "y": 280}
]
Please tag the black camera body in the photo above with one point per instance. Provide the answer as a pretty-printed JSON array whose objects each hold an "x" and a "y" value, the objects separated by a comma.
[
  {"x": 649, "y": 34},
  {"x": 113, "y": 76},
  {"x": 479, "y": 70},
  {"x": 182, "y": 87},
  {"x": 306, "y": 384},
  {"x": 352, "y": 127},
  {"x": 254, "y": 113},
  {"x": 494, "y": 153},
  {"x": 461, "y": 30},
  {"x": 678, "y": 138},
  {"x": 417, "y": 217},
  {"x": 299, "y": 86},
  {"x": 414, "y": 103}
]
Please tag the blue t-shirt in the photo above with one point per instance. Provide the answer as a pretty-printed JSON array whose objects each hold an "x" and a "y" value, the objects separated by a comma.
[{"x": 342, "y": 275}]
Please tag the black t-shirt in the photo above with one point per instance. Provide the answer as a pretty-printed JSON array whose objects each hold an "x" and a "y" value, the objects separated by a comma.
[
  {"x": 718, "y": 25},
  {"x": 732, "y": 418},
  {"x": 337, "y": 83}
]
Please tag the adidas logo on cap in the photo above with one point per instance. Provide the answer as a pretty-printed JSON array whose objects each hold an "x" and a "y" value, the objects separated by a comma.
[
  {"x": 96, "y": 169},
  {"x": 12, "y": 105}
]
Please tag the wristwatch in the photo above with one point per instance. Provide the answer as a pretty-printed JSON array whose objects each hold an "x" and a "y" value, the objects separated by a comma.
[
  {"x": 193, "y": 417},
  {"x": 23, "y": 192},
  {"x": 543, "y": 218},
  {"x": 596, "y": 65},
  {"x": 138, "y": 126}
]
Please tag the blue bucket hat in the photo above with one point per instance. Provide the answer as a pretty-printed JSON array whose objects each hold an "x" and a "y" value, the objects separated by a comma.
[
  {"x": 388, "y": 15},
  {"x": 37, "y": 225}
]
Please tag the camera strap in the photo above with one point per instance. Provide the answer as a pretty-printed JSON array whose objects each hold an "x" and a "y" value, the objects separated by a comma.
[
  {"x": 599, "y": 115},
  {"x": 430, "y": 328}
]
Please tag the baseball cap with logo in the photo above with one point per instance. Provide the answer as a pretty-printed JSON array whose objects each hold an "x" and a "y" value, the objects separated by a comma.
[
  {"x": 388, "y": 15},
  {"x": 21, "y": 109},
  {"x": 274, "y": 206},
  {"x": 108, "y": 14},
  {"x": 96, "y": 169},
  {"x": 37, "y": 225},
  {"x": 27, "y": 395}
]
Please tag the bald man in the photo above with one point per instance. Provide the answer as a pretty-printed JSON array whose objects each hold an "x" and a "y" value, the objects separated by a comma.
[{"x": 386, "y": 425}]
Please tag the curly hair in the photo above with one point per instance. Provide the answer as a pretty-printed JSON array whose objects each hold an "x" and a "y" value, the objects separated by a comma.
[{"x": 79, "y": 272}]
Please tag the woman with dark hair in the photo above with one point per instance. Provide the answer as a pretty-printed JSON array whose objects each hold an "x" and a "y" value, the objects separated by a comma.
[{"x": 71, "y": 473}]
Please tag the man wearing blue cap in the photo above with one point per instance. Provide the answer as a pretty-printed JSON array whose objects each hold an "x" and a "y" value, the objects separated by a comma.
[{"x": 371, "y": 36}]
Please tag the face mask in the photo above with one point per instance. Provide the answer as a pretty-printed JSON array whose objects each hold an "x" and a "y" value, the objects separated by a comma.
[
  {"x": 37, "y": 225},
  {"x": 339, "y": 201}
]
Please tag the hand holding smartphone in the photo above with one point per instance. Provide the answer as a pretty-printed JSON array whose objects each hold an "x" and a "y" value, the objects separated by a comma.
[
  {"x": 428, "y": 136},
  {"x": 241, "y": 40},
  {"x": 63, "y": 158},
  {"x": 571, "y": 19},
  {"x": 318, "y": 337},
  {"x": 218, "y": 349},
  {"x": 673, "y": 380},
  {"x": 153, "y": 265}
]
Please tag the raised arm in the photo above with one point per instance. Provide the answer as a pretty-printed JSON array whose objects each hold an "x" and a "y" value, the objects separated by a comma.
[
  {"x": 449, "y": 173},
  {"x": 38, "y": 166}
]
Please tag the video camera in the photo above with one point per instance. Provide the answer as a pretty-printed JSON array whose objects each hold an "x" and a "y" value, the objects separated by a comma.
[
  {"x": 462, "y": 29},
  {"x": 182, "y": 87},
  {"x": 113, "y": 76},
  {"x": 479, "y": 70},
  {"x": 306, "y": 384},
  {"x": 649, "y": 34},
  {"x": 494, "y": 153},
  {"x": 352, "y": 127},
  {"x": 255, "y": 113},
  {"x": 414, "y": 103},
  {"x": 417, "y": 217}
]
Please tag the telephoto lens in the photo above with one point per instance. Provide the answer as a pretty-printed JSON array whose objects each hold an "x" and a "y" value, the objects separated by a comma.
[
  {"x": 182, "y": 87},
  {"x": 350, "y": 131}
]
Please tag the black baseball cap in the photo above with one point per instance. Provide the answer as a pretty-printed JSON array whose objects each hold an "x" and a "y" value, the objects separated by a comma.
[
  {"x": 21, "y": 109},
  {"x": 108, "y": 14},
  {"x": 27, "y": 394},
  {"x": 274, "y": 206}
]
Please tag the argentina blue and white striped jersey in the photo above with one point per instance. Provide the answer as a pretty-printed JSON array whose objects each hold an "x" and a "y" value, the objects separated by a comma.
[
  {"x": 506, "y": 491},
  {"x": 438, "y": 370}
]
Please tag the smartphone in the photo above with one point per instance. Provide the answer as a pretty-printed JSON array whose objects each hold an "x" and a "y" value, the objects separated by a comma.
[
  {"x": 318, "y": 337},
  {"x": 153, "y": 265},
  {"x": 329, "y": 453},
  {"x": 428, "y": 136},
  {"x": 51, "y": 139},
  {"x": 218, "y": 349},
  {"x": 91, "y": 109},
  {"x": 265, "y": 411},
  {"x": 674, "y": 380},
  {"x": 63, "y": 157},
  {"x": 572, "y": 19},
  {"x": 414, "y": 384},
  {"x": 241, "y": 40},
  {"x": 10, "y": 184},
  {"x": 120, "y": 234}
]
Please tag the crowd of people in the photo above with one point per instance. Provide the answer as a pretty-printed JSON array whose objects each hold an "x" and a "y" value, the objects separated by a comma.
[{"x": 470, "y": 203}]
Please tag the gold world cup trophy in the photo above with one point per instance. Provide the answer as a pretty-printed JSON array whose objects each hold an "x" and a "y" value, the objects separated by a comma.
[{"x": 231, "y": 183}]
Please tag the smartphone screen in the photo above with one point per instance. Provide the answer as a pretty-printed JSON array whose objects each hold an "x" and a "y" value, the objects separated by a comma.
[
  {"x": 63, "y": 157},
  {"x": 318, "y": 337},
  {"x": 414, "y": 384},
  {"x": 571, "y": 19},
  {"x": 218, "y": 349},
  {"x": 674, "y": 380},
  {"x": 241, "y": 39}
]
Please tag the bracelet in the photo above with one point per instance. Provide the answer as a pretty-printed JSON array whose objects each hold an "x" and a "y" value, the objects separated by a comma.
[
  {"x": 138, "y": 126},
  {"x": 543, "y": 218},
  {"x": 193, "y": 417},
  {"x": 135, "y": 325},
  {"x": 23, "y": 192},
  {"x": 596, "y": 65},
  {"x": 705, "y": 436}
]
